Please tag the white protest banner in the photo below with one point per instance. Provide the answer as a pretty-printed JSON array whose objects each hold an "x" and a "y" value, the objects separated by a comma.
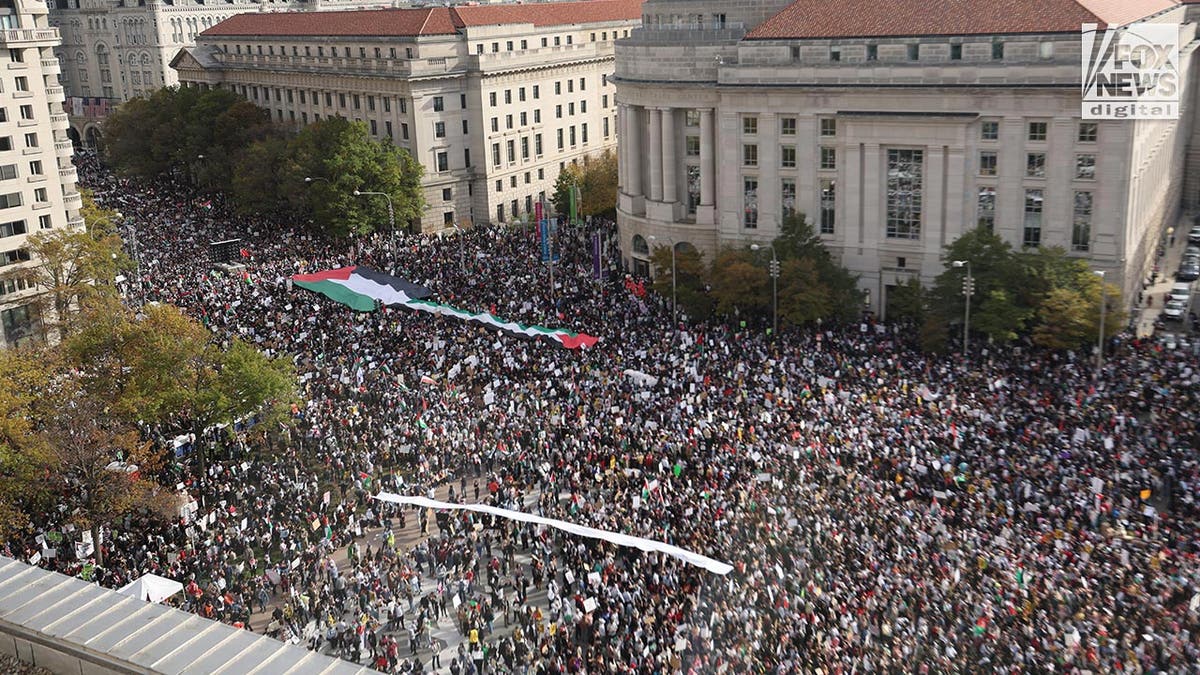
[
  {"x": 589, "y": 605},
  {"x": 689, "y": 557}
]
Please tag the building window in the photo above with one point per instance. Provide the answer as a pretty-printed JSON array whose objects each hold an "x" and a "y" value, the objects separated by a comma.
[
  {"x": 1035, "y": 165},
  {"x": 467, "y": 157},
  {"x": 466, "y": 127},
  {"x": 1088, "y": 132},
  {"x": 956, "y": 52},
  {"x": 787, "y": 156},
  {"x": 558, "y": 112},
  {"x": 987, "y": 163},
  {"x": 691, "y": 118},
  {"x": 835, "y": 54},
  {"x": 828, "y": 158},
  {"x": 536, "y": 92},
  {"x": 787, "y": 126},
  {"x": 508, "y": 121},
  {"x": 997, "y": 51},
  {"x": 986, "y": 206},
  {"x": 1033, "y": 219},
  {"x": 1037, "y": 131},
  {"x": 914, "y": 52},
  {"x": 693, "y": 188},
  {"x": 1081, "y": 228},
  {"x": 537, "y": 145},
  {"x": 17, "y": 255},
  {"x": 439, "y": 104},
  {"x": 20, "y": 325},
  {"x": 828, "y": 205},
  {"x": 524, "y": 147},
  {"x": 511, "y": 147},
  {"x": 439, "y": 129},
  {"x": 1085, "y": 167},
  {"x": 12, "y": 229},
  {"x": 692, "y": 146},
  {"x": 989, "y": 130},
  {"x": 749, "y": 155},
  {"x": 22, "y": 83},
  {"x": 750, "y": 202},
  {"x": 443, "y": 161},
  {"x": 496, "y": 154},
  {"x": 404, "y": 131},
  {"x": 787, "y": 197},
  {"x": 749, "y": 125},
  {"x": 499, "y": 186},
  {"x": 495, "y": 125},
  {"x": 10, "y": 200},
  {"x": 872, "y": 52},
  {"x": 507, "y": 96},
  {"x": 828, "y": 127},
  {"x": 31, "y": 140},
  {"x": 904, "y": 193},
  {"x": 447, "y": 194},
  {"x": 9, "y": 172}
]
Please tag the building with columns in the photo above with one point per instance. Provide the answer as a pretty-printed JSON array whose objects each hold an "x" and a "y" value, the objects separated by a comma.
[
  {"x": 894, "y": 127},
  {"x": 37, "y": 178},
  {"x": 493, "y": 100},
  {"x": 115, "y": 50}
]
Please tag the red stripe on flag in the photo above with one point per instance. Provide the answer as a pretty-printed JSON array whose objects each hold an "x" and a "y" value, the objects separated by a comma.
[
  {"x": 340, "y": 274},
  {"x": 577, "y": 341}
]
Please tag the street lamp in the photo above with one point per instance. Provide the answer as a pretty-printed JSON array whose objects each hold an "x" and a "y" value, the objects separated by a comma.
[
  {"x": 774, "y": 286},
  {"x": 968, "y": 291},
  {"x": 310, "y": 179},
  {"x": 462, "y": 261},
  {"x": 391, "y": 220},
  {"x": 1100, "y": 337},
  {"x": 673, "y": 276}
]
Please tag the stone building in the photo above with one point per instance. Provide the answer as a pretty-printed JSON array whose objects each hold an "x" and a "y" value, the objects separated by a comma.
[
  {"x": 895, "y": 127},
  {"x": 37, "y": 178},
  {"x": 492, "y": 100},
  {"x": 115, "y": 50}
]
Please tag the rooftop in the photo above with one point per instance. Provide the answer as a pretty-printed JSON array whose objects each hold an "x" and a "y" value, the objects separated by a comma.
[
  {"x": 424, "y": 21},
  {"x": 821, "y": 19}
]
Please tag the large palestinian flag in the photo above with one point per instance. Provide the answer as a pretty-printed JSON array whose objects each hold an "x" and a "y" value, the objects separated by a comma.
[{"x": 360, "y": 287}]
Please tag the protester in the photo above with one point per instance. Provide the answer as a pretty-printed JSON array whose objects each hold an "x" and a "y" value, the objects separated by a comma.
[{"x": 885, "y": 510}]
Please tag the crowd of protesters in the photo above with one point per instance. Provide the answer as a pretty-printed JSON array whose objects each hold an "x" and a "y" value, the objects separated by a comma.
[{"x": 884, "y": 509}]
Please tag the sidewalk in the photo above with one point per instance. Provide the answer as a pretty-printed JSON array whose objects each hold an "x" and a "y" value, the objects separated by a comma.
[{"x": 1157, "y": 292}]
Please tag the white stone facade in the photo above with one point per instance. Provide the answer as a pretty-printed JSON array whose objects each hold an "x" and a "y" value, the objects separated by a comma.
[
  {"x": 493, "y": 113},
  {"x": 37, "y": 178},
  {"x": 715, "y": 150},
  {"x": 115, "y": 50}
]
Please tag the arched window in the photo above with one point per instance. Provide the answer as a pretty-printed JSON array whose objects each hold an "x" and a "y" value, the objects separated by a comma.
[{"x": 640, "y": 247}]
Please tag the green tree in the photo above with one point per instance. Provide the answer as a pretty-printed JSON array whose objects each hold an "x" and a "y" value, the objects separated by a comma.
[
  {"x": 73, "y": 265},
  {"x": 803, "y": 296},
  {"x": 999, "y": 318},
  {"x": 799, "y": 241},
  {"x": 161, "y": 365},
  {"x": 1064, "y": 320},
  {"x": 261, "y": 178},
  {"x": 570, "y": 176},
  {"x": 690, "y": 291},
  {"x": 741, "y": 286},
  {"x": 103, "y": 465},
  {"x": 906, "y": 302},
  {"x": 994, "y": 266},
  {"x": 341, "y": 158},
  {"x": 25, "y": 376},
  {"x": 599, "y": 186}
]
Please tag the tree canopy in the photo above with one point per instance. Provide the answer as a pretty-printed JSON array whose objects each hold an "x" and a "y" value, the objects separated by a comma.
[
  {"x": 217, "y": 140},
  {"x": 1043, "y": 293},
  {"x": 597, "y": 182}
]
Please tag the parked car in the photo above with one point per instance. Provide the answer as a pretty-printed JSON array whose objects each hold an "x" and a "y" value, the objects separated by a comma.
[
  {"x": 1181, "y": 291},
  {"x": 1194, "y": 235},
  {"x": 1175, "y": 310},
  {"x": 1188, "y": 272}
]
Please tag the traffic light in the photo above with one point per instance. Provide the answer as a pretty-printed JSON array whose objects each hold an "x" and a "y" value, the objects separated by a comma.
[
  {"x": 968, "y": 287},
  {"x": 774, "y": 267}
]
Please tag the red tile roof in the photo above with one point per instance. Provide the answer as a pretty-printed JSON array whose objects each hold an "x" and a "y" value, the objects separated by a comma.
[
  {"x": 893, "y": 18},
  {"x": 425, "y": 21}
]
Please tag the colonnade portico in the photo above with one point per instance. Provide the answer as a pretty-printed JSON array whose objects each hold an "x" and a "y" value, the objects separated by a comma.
[{"x": 649, "y": 164}]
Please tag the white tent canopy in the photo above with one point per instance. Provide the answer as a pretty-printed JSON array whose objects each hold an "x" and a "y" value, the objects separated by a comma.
[{"x": 151, "y": 588}]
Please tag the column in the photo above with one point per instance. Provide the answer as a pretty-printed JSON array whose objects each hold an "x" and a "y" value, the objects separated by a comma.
[
  {"x": 634, "y": 135},
  {"x": 656, "y": 157},
  {"x": 622, "y": 148},
  {"x": 669, "y": 170},
  {"x": 707, "y": 169}
]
